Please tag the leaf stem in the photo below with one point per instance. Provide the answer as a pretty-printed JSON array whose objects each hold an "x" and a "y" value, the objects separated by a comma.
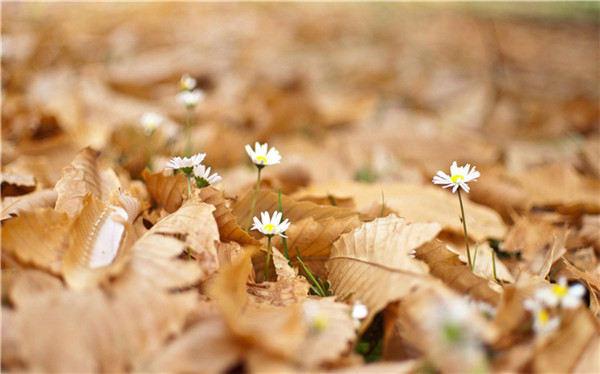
[
  {"x": 268, "y": 258},
  {"x": 464, "y": 222}
]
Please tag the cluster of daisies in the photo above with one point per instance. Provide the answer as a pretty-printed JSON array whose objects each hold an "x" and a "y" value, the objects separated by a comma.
[{"x": 550, "y": 301}]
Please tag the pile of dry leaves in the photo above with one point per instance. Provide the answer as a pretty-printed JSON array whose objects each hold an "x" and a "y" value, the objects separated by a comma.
[{"x": 113, "y": 261}]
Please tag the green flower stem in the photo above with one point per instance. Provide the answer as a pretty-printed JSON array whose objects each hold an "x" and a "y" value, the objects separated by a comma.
[
  {"x": 188, "y": 131},
  {"x": 464, "y": 222},
  {"x": 268, "y": 258},
  {"x": 255, "y": 196},
  {"x": 312, "y": 278}
]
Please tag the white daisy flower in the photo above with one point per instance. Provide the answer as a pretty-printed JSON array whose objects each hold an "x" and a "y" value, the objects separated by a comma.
[
  {"x": 150, "y": 121},
  {"x": 568, "y": 297},
  {"x": 187, "y": 83},
  {"x": 543, "y": 323},
  {"x": 458, "y": 178},
  {"x": 314, "y": 316},
  {"x": 262, "y": 156},
  {"x": 270, "y": 226},
  {"x": 203, "y": 176},
  {"x": 190, "y": 98},
  {"x": 186, "y": 164}
]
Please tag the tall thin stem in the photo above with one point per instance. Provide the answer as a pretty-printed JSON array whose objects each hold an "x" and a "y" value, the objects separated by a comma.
[
  {"x": 268, "y": 258},
  {"x": 255, "y": 196},
  {"x": 464, "y": 222},
  {"x": 188, "y": 131}
]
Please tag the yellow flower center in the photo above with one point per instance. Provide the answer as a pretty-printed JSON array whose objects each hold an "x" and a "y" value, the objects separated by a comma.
[
  {"x": 269, "y": 227},
  {"x": 456, "y": 178},
  {"x": 543, "y": 316},
  {"x": 262, "y": 159},
  {"x": 560, "y": 291},
  {"x": 320, "y": 322}
]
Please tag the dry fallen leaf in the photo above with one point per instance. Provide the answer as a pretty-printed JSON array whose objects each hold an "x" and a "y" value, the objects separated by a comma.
[
  {"x": 229, "y": 227},
  {"x": 364, "y": 262},
  {"x": 417, "y": 204},
  {"x": 445, "y": 265},
  {"x": 13, "y": 206},
  {"x": 84, "y": 176},
  {"x": 100, "y": 239},
  {"x": 166, "y": 190},
  {"x": 38, "y": 237},
  {"x": 313, "y": 228}
]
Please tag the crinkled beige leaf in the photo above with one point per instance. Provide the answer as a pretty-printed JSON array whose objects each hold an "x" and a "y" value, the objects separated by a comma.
[
  {"x": 278, "y": 331},
  {"x": 417, "y": 204},
  {"x": 31, "y": 284},
  {"x": 38, "y": 237},
  {"x": 373, "y": 264},
  {"x": 207, "y": 347},
  {"x": 99, "y": 241},
  {"x": 82, "y": 177},
  {"x": 289, "y": 288},
  {"x": 445, "y": 265},
  {"x": 167, "y": 191},
  {"x": 229, "y": 227},
  {"x": 540, "y": 243},
  {"x": 192, "y": 227},
  {"x": 559, "y": 185},
  {"x": 564, "y": 350},
  {"x": 13, "y": 206},
  {"x": 313, "y": 227},
  {"x": 128, "y": 324},
  {"x": 97, "y": 332}
]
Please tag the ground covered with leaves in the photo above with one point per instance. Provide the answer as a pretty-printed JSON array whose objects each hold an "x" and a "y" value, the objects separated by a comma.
[{"x": 115, "y": 258}]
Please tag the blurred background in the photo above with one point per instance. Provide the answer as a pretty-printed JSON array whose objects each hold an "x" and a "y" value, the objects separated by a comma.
[{"x": 377, "y": 91}]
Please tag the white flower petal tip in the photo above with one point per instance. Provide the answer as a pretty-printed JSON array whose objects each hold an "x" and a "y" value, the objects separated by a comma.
[
  {"x": 190, "y": 99},
  {"x": 187, "y": 83},
  {"x": 203, "y": 176},
  {"x": 359, "y": 311},
  {"x": 150, "y": 121},
  {"x": 271, "y": 226},
  {"x": 262, "y": 156},
  {"x": 186, "y": 163},
  {"x": 459, "y": 177}
]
